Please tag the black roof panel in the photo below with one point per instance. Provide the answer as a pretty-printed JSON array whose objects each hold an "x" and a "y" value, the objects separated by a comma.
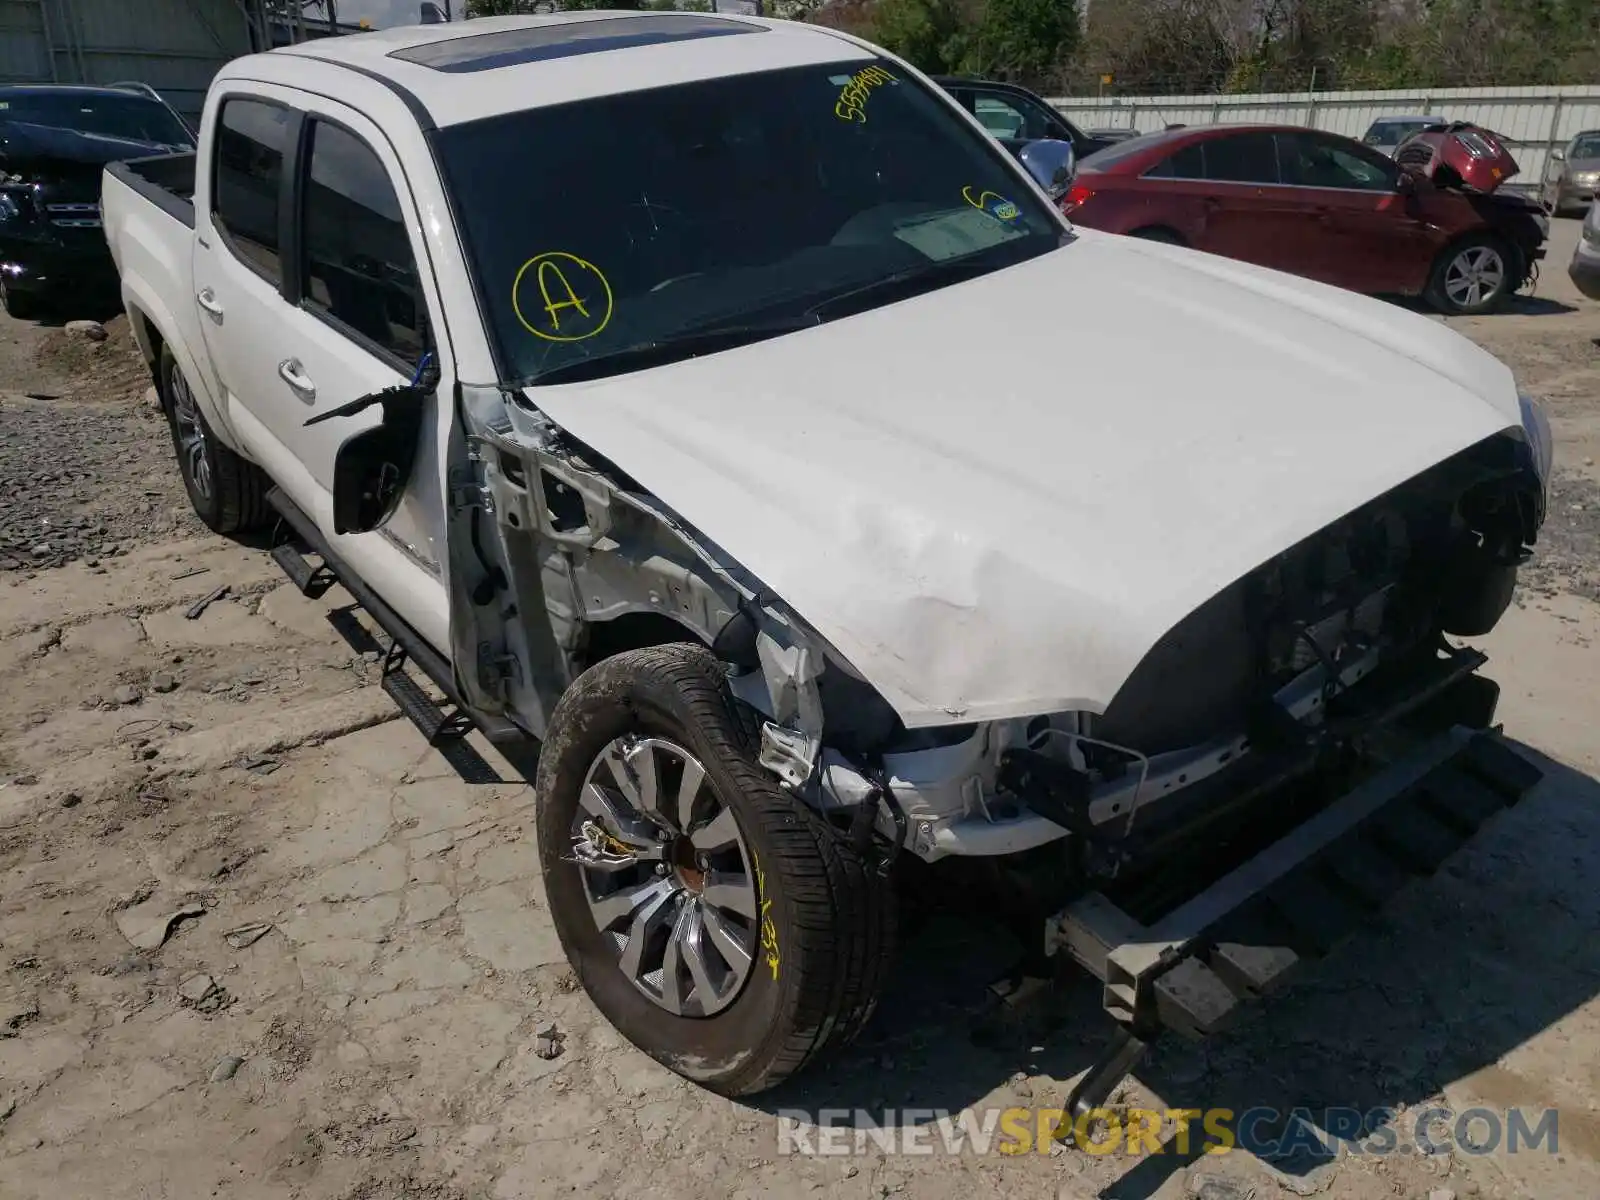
[{"x": 486, "y": 51}]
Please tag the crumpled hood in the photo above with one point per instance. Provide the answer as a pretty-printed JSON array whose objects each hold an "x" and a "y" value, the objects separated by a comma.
[{"x": 995, "y": 498}]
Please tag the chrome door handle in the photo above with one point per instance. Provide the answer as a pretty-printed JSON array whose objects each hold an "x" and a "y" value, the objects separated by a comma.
[
  {"x": 292, "y": 373},
  {"x": 207, "y": 299}
]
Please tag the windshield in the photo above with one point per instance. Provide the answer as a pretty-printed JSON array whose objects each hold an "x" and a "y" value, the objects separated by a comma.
[
  {"x": 605, "y": 226},
  {"x": 1392, "y": 133},
  {"x": 134, "y": 118},
  {"x": 1585, "y": 145}
]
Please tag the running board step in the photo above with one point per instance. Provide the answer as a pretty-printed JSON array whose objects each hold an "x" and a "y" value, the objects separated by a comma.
[
  {"x": 437, "y": 724},
  {"x": 313, "y": 580},
  {"x": 406, "y": 644}
]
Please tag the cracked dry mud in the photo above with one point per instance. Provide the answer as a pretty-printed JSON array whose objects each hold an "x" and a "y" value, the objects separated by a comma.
[{"x": 377, "y": 1039}]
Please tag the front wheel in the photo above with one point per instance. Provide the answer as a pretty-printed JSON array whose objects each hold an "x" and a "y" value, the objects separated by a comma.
[
  {"x": 1474, "y": 275},
  {"x": 721, "y": 925},
  {"x": 227, "y": 492}
]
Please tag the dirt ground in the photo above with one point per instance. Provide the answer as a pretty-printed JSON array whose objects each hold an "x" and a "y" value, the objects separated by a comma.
[{"x": 256, "y": 940}]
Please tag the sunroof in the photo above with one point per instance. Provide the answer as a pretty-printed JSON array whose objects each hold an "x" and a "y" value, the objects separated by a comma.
[{"x": 486, "y": 51}]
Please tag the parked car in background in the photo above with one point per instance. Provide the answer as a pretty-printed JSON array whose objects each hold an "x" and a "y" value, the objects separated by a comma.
[
  {"x": 1017, "y": 116},
  {"x": 54, "y": 144},
  {"x": 1585, "y": 268},
  {"x": 1314, "y": 204},
  {"x": 1387, "y": 133},
  {"x": 1572, "y": 175}
]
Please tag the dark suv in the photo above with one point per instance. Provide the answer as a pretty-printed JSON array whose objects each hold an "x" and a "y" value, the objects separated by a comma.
[
  {"x": 54, "y": 144},
  {"x": 1017, "y": 116}
]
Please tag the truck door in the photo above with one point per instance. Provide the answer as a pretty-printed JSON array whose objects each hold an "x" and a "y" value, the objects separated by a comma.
[{"x": 354, "y": 316}]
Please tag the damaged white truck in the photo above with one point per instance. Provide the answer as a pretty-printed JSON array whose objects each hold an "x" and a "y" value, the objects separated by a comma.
[{"x": 710, "y": 403}]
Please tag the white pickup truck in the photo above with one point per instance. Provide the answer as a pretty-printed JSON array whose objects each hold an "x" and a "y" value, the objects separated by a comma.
[{"x": 711, "y": 402}]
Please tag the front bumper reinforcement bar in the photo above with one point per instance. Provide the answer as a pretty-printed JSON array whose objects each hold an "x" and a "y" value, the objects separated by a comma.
[{"x": 1240, "y": 938}]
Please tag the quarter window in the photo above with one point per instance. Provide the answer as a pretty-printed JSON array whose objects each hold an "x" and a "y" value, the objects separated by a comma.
[
  {"x": 1188, "y": 163},
  {"x": 252, "y": 143},
  {"x": 359, "y": 268}
]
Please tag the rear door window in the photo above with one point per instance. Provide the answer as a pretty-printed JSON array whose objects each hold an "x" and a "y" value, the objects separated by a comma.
[
  {"x": 252, "y": 144},
  {"x": 359, "y": 266},
  {"x": 1242, "y": 158}
]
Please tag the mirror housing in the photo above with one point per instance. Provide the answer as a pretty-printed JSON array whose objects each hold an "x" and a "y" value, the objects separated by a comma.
[
  {"x": 1053, "y": 164},
  {"x": 1558, "y": 155},
  {"x": 1405, "y": 183},
  {"x": 373, "y": 467}
]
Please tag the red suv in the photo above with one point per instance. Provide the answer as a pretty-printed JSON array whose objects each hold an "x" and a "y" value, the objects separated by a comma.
[{"x": 1313, "y": 204}]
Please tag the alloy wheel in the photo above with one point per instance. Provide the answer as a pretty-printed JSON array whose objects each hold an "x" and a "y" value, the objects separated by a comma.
[
  {"x": 191, "y": 435},
  {"x": 667, "y": 875},
  {"x": 1474, "y": 275}
]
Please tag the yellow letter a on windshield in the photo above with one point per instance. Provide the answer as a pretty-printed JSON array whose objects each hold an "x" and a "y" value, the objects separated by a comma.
[{"x": 552, "y": 307}]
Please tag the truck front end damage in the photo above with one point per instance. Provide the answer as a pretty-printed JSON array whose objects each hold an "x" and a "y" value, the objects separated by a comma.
[{"x": 1310, "y": 732}]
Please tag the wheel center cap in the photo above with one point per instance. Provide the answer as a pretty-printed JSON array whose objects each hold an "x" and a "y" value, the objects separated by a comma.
[{"x": 687, "y": 864}]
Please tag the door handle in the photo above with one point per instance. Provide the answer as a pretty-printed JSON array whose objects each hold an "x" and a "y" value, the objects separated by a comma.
[
  {"x": 292, "y": 373},
  {"x": 207, "y": 299}
]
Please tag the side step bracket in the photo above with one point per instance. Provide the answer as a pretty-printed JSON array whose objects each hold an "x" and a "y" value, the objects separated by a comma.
[{"x": 437, "y": 723}]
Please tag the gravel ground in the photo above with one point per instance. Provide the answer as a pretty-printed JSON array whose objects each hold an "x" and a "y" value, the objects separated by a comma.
[
  {"x": 86, "y": 460},
  {"x": 258, "y": 941}
]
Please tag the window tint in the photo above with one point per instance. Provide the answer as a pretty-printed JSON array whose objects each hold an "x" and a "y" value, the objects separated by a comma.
[
  {"x": 359, "y": 266},
  {"x": 133, "y": 118},
  {"x": 1320, "y": 163},
  {"x": 743, "y": 200},
  {"x": 1008, "y": 116},
  {"x": 252, "y": 140},
  {"x": 1188, "y": 163},
  {"x": 1243, "y": 158}
]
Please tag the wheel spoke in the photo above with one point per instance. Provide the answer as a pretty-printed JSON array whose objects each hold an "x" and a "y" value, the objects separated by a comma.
[
  {"x": 688, "y": 789},
  {"x": 623, "y": 776},
  {"x": 672, "y": 960},
  {"x": 690, "y": 936},
  {"x": 646, "y": 922},
  {"x": 722, "y": 830},
  {"x": 728, "y": 944},
  {"x": 734, "y": 892},
  {"x": 608, "y": 910},
  {"x": 641, "y": 760},
  {"x": 635, "y": 834}
]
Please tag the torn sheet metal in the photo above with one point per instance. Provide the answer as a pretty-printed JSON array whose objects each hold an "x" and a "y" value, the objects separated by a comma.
[{"x": 988, "y": 526}]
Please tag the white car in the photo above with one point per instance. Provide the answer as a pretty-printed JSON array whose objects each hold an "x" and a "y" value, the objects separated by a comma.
[{"x": 710, "y": 399}]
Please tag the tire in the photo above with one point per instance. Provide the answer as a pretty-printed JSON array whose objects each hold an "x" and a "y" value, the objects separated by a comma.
[
  {"x": 821, "y": 920},
  {"x": 1154, "y": 234},
  {"x": 22, "y": 306},
  {"x": 1488, "y": 258},
  {"x": 227, "y": 492}
]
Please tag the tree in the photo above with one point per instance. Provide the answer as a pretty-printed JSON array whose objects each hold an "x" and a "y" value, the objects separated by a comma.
[{"x": 1022, "y": 40}]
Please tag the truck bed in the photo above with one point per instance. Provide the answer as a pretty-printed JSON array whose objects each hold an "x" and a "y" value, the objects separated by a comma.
[{"x": 166, "y": 180}]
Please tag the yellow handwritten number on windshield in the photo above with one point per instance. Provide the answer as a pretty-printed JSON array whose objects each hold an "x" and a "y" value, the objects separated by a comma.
[
  {"x": 575, "y": 299},
  {"x": 852, "y": 103},
  {"x": 993, "y": 203}
]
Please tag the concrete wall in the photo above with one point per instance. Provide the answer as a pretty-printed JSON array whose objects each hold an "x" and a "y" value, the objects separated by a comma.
[
  {"x": 1532, "y": 119},
  {"x": 175, "y": 46}
]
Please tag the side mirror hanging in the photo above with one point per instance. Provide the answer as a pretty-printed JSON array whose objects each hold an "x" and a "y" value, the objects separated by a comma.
[
  {"x": 1053, "y": 163},
  {"x": 373, "y": 467}
]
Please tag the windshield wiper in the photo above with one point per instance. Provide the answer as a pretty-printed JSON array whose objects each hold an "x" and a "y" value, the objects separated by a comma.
[
  {"x": 672, "y": 348},
  {"x": 900, "y": 285}
]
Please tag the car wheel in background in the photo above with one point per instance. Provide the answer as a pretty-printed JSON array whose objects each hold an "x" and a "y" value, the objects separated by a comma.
[
  {"x": 1474, "y": 275},
  {"x": 227, "y": 492},
  {"x": 718, "y": 922},
  {"x": 20, "y": 305}
]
